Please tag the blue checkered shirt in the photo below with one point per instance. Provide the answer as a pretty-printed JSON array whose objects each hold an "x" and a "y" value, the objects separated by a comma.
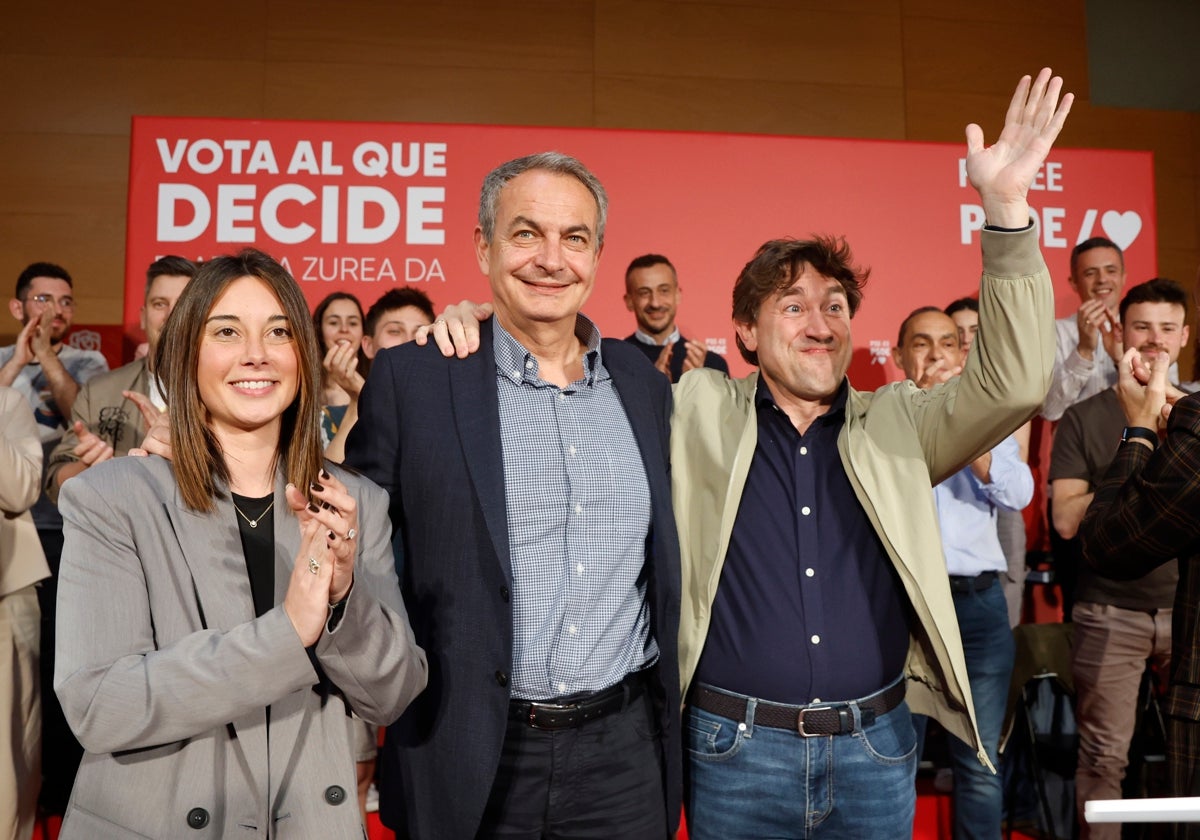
[{"x": 578, "y": 507}]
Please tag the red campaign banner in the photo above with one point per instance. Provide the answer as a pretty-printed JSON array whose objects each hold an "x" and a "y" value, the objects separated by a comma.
[{"x": 363, "y": 207}]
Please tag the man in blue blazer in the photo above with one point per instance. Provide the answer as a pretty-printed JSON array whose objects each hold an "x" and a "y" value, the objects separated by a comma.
[{"x": 541, "y": 573}]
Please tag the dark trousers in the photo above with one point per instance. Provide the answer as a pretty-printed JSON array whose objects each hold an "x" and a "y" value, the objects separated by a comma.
[
  {"x": 61, "y": 753},
  {"x": 599, "y": 781}
]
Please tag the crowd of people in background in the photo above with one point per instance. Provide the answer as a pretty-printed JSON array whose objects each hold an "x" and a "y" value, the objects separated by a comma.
[{"x": 602, "y": 579}]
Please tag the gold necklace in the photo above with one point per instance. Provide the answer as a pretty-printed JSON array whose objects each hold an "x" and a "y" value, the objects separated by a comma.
[{"x": 254, "y": 522}]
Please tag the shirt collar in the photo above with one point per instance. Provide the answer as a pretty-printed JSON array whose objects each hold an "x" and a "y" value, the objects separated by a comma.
[
  {"x": 835, "y": 414},
  {"x": 518, "y": 365},
  {"x": 646, "y": 338}
]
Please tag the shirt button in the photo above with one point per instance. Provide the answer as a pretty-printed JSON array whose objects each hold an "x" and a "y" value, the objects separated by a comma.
[
  {"x": 335, "y": 794},
  {"x": 579, "y": 569},
  {"x": 529, "y": 365},
  {"x": 579, "y": 508},
  {"x": 816, "y": 640},
  {"x": 806, "y": 510},
  {"x": 803, "y": 450},
  {"x": 572, "y": 629},
  {"x": 572, "y": 450},
  {"x": 809, "y": 572},
  {"x": 562, "y": 688},
  {"x": 561, "y": 396},
  {"x": 516, "y": 374}
]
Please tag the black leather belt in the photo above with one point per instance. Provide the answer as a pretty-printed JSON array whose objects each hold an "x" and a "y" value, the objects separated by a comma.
[
  {"x": 810, "y": 721},
  {"x": 962, "y": 584},
  {"x": 541, "y": 714}
]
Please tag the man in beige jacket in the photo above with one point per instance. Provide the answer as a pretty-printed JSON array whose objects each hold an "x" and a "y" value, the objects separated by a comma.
[
  {"x": 816, "y": 609},
  {"x": 22, "y": 565}
]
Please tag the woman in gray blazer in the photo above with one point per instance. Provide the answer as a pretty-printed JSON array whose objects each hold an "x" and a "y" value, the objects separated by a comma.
[{"x": 216, "y": 624}]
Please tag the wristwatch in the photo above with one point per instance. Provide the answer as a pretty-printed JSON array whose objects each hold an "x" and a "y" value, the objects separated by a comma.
[{"x": 1140, "y": 433}]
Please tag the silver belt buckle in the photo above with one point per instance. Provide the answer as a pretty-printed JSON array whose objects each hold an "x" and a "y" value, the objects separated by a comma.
[
  {"x": 557, "y": 707},
  {"x": 800, "y": 720}
]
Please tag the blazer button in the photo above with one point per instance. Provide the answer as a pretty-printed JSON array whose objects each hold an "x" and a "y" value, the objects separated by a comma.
[
  {"x": 504, "y": 593},
  {"x": 501, "y": 679},
  {"x": 335, "y": 795},
  {"x": 197, "y": 818}
]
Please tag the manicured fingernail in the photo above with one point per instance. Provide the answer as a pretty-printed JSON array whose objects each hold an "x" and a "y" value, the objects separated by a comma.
[
  {"x": 316, "y": 487},
  {"x": 332, "y": 535},
  {"x": 324, "y": 474},
  {"x": 313, "y": 508}
]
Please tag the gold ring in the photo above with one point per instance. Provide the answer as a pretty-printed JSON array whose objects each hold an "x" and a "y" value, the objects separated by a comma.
[{"x": 313, "y": 565}]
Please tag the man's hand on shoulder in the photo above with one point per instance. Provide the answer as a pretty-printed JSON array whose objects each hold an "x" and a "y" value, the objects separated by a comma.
[{"x": 456, "y": 330}]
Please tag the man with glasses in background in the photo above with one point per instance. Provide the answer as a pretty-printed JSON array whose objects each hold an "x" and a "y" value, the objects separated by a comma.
[{"x": 48, "y": 373}]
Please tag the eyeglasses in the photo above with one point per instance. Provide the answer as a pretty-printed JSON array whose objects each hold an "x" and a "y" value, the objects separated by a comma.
[{"x": 49, "y": 300}]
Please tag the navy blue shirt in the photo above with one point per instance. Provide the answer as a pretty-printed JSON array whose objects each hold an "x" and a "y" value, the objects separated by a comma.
[{"x": 809, "y": 607}]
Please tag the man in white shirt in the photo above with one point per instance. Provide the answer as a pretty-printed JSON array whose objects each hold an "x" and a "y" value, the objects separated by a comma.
[{"x": 1086, "y": 342}]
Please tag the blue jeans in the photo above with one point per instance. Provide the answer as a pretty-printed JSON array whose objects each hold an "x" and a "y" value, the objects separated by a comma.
[
  {"x": 747, "y": 781},
  {"x": 988, "y": 647}
]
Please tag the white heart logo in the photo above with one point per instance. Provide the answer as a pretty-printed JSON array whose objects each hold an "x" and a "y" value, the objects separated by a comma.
[{"x": 1122, "y": 228}]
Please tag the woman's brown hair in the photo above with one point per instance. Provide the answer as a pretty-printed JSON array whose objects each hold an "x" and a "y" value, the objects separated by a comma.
[{"x": 196, "y": 455}]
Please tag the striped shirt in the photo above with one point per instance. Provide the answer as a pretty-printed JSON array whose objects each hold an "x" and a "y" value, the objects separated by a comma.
[{"x": 578, "y": 507}]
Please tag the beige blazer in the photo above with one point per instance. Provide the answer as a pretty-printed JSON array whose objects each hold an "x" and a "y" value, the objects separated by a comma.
[
  {"x": 895, "y": 445},
  {"x": 22, "y": 561},
  {"x": 106, "y": 412},
  {"x": 200, "y": 720}
]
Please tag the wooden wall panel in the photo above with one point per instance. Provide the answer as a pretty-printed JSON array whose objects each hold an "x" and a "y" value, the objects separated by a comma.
[
  {"x": 719, "y": 41},
  {"x": 230, "y": 29},
  {"x": 435, "y": 35},
  {"x": 967, "y": 56},
  {"x": 309, "y": 90},
  {"x": 89, "y": 95},
  {"x": 755, "y": 106},
  {"x": 76, "y": 72},
  {"x": 1030, "y": 13}
]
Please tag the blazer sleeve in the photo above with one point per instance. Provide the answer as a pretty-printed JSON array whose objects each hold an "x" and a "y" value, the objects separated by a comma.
[
  {"x": 1144, "y": 510},
  {"x": 20, "y": 454},
  {"x": 372, "y": 655},
  {"x": 119, "y": 689}
]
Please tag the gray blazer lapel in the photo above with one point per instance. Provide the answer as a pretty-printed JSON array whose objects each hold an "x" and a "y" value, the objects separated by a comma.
[
  {"x": 212, "y": 549},
  {"x": 477, "y": 416}
]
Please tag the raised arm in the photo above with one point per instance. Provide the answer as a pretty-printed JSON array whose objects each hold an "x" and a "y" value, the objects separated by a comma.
[
  {"x": 1008, "y": 370},
  {"x": 1002, "y": 173}
]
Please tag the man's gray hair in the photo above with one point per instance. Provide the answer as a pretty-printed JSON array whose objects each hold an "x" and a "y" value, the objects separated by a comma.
[{"x": 556, "y": 162}]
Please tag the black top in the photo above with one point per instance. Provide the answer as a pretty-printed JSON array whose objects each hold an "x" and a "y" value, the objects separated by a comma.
[{"x": 258, "y": 545}]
